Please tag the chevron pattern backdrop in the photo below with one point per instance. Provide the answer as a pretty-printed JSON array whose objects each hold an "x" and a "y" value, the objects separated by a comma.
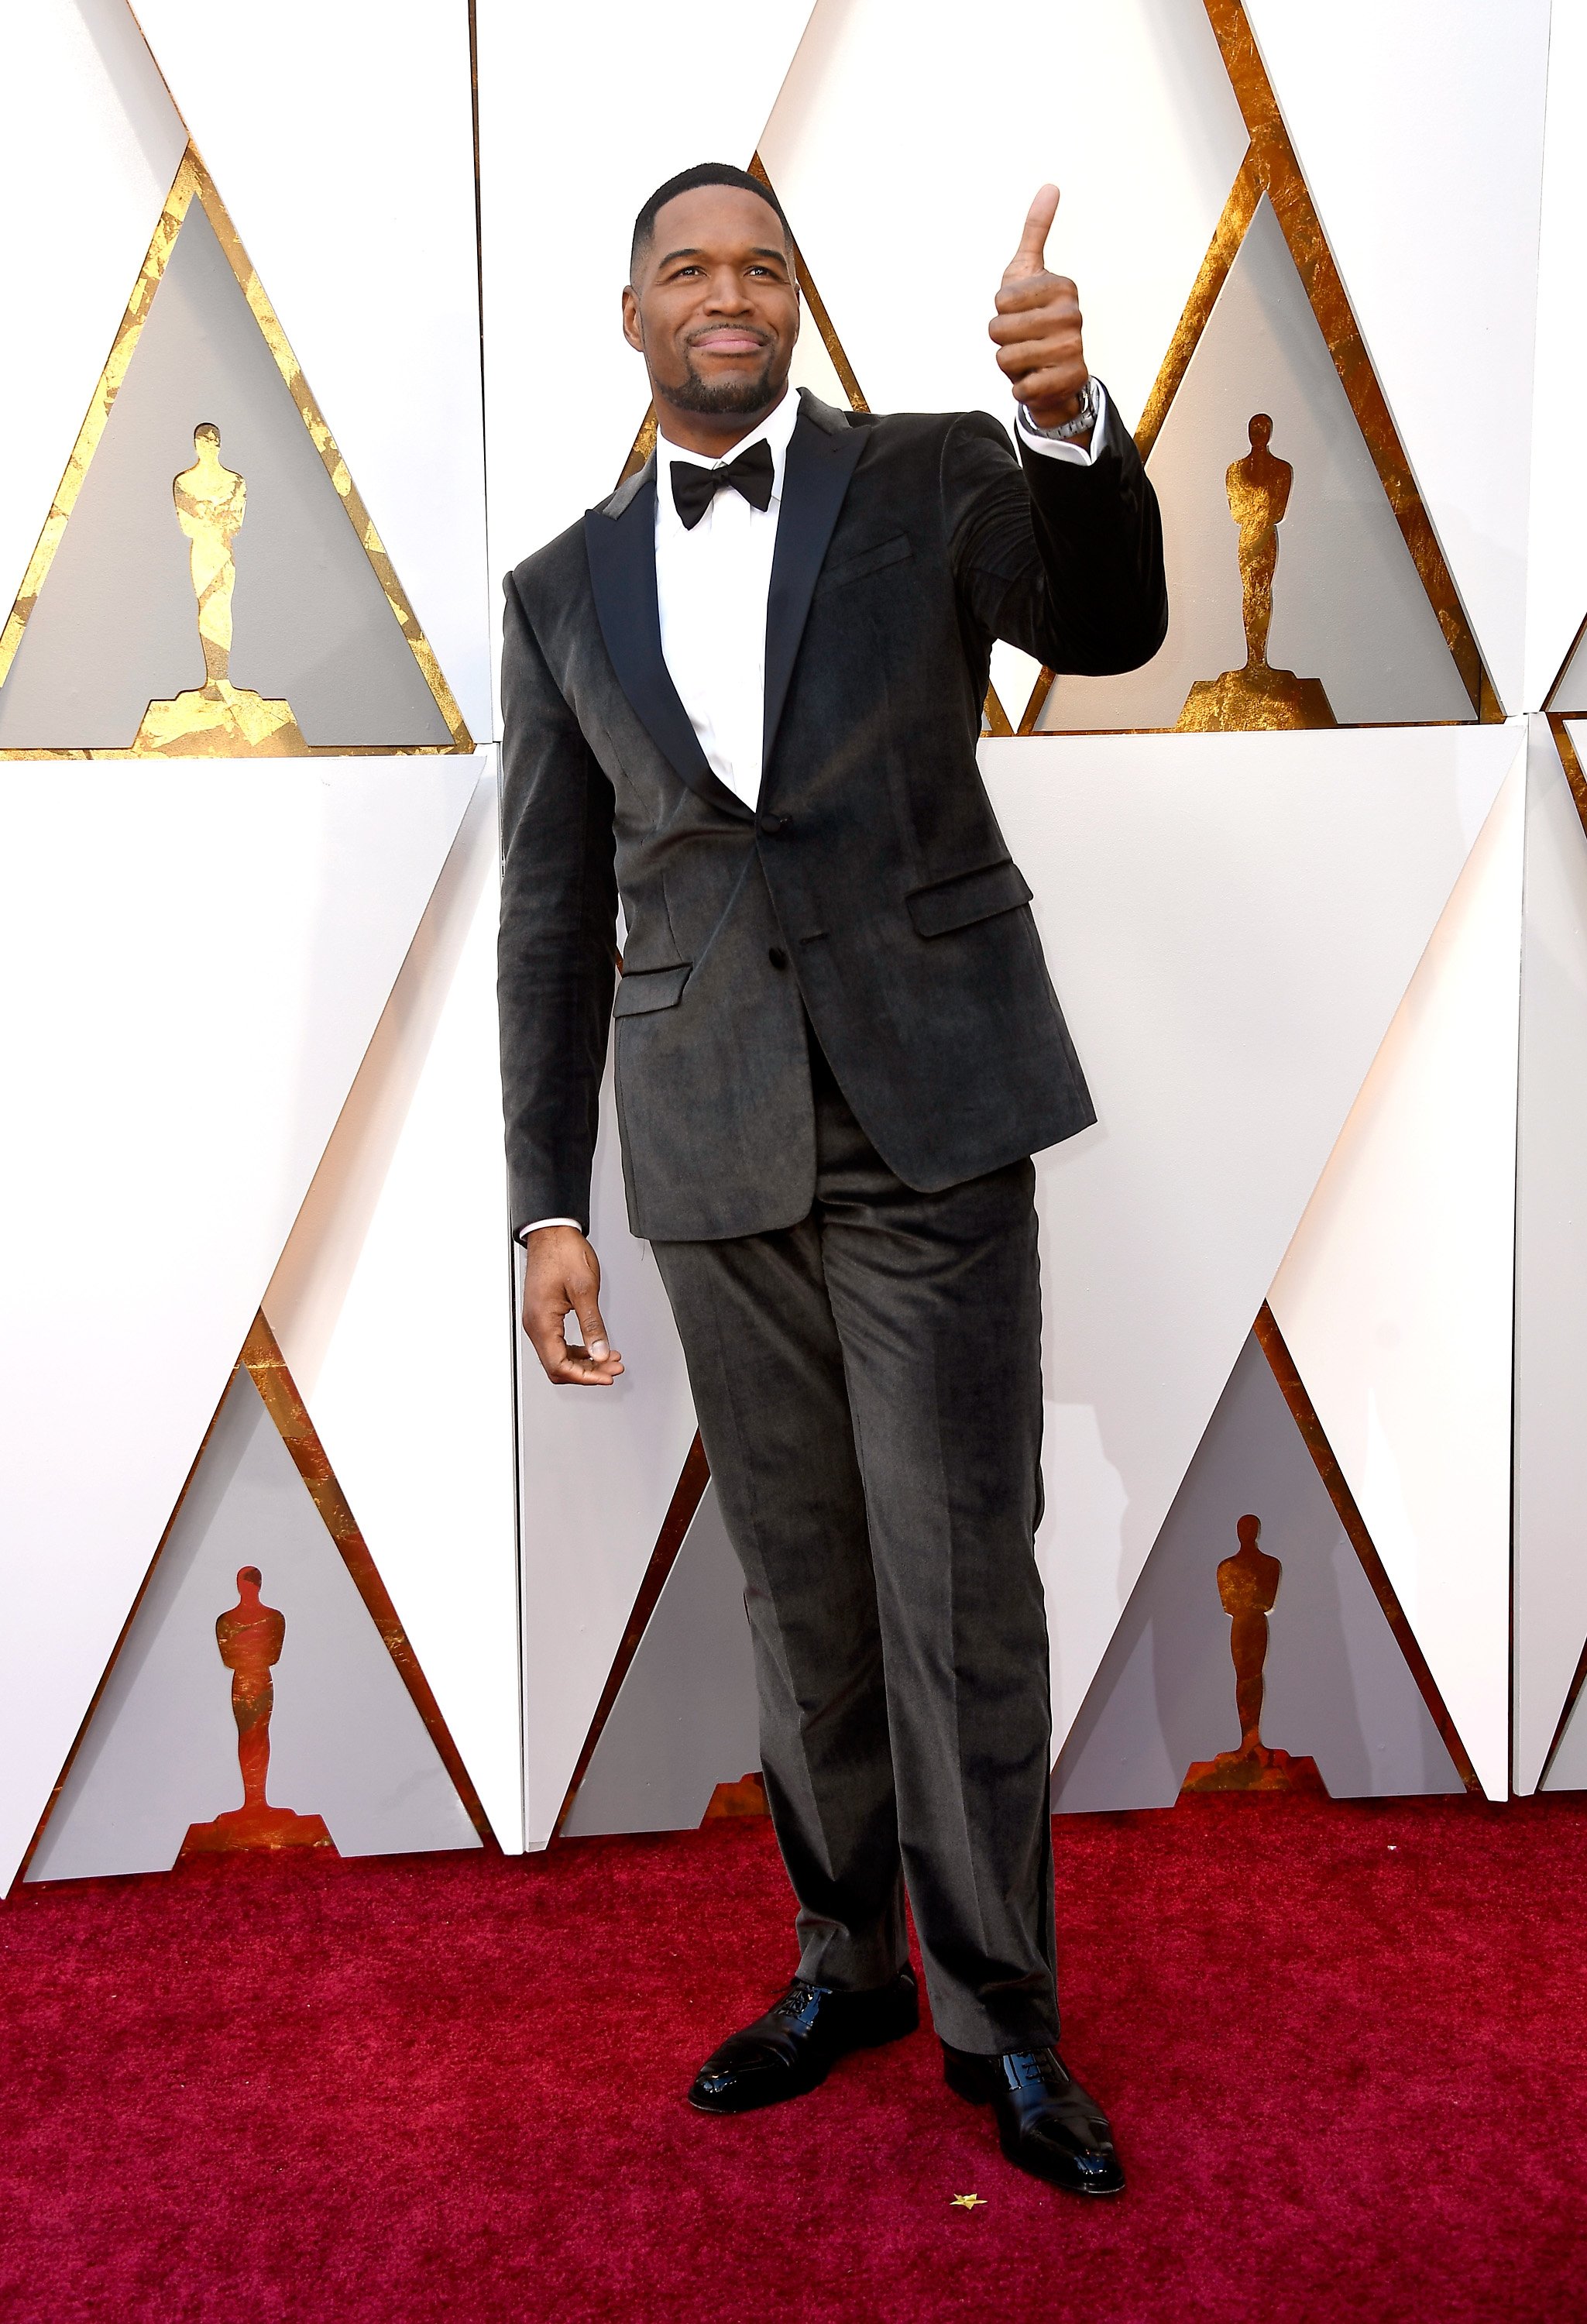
[{"x": 1323, "y": 1259}]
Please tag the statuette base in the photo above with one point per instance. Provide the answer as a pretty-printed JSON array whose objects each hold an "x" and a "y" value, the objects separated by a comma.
[
  {"x": 1254, "y": 696},
  {"x": 1255, "y": 1769},
  {"x": 219, "y": 721},
  {"x": 255, "y": 1827}
]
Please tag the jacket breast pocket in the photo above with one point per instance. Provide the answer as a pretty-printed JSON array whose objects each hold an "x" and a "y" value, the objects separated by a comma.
[
  {"x": 966, "y": 898},
  {"x": 641, "y": 989},
  {"x": 893, "y": 552}
]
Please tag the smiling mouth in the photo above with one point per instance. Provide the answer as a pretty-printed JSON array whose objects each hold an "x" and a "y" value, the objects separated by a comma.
[{"x": 726, "y": 343}]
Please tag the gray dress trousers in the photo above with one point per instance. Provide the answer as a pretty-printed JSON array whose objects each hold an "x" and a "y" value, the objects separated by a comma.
[{"x": 869, "y": 1391}]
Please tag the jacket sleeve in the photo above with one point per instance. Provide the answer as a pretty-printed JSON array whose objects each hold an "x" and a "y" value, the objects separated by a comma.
[
  {"x": 557, "y": 957},
  {"x": 1063, "y": 561}
]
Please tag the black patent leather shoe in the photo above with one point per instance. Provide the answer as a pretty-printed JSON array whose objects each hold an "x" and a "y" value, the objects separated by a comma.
[
  {"x": 1047, "y": 2124},
  {"x": 800, "y": 2040}
]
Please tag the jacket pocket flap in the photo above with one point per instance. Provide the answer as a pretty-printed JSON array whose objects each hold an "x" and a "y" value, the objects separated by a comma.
[
  {"x": 967, "y": 896},
  {"x": 641, "y": 990},
  {"x": 868, "y": 560}
]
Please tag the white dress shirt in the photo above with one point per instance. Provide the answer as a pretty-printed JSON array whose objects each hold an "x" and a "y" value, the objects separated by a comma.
[{"x": 712, "y": 584}]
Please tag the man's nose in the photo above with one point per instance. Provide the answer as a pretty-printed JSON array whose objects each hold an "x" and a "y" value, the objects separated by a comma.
[{"x": 725, "y": 292}]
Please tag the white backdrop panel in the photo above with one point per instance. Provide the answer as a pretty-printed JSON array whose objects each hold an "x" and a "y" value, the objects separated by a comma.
[
  {"x": 1419, "y": 130},
  {"x": 1551, "y": 1264},
  {"x": 1230, "y": 921},
  {"x": 342, "y": 143},
  {"x": 207, "y": 949},
  {"x": 598, "y": 1468},
  {"x": 582, "y": 112},
  {"x": 1396, "y": 1294},
  {"x": 391, "y": 1306},
  {"x": 89, "y": 143},
  {"x": 1556, "y": 574},
  {"x": 906, "y": 151}
]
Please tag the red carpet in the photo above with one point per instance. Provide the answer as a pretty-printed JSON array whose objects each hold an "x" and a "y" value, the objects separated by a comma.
[{"x": 1343, "y": 2045}]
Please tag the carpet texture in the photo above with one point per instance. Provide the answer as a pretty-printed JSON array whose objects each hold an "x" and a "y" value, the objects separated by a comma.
[{"x": 1343, "y": 2046}]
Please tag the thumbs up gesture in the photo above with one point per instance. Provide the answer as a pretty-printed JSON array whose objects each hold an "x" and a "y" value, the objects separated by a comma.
[{"x": 1036, "y": 327}]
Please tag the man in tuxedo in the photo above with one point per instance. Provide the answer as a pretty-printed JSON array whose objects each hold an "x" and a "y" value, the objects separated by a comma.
[{"x": 745, "y": 696}]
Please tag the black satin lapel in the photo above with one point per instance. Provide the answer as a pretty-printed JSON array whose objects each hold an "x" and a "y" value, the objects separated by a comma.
[
  {"x": 622, "y": 552},
  {"x": 815, "y": 479}
]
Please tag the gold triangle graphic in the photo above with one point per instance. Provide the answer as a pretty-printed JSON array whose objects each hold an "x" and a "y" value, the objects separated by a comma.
[
  {"x": 263, "y": 1361},
  {"x": 266, "y": 1366},
  {"x": 1303, "y": 1413},
  {"x": 1569, "y": 761},
  {"x": 994, "y": 717},
  {"x": 193, "y": 183},
  {"x": 1270, "y": 168}
]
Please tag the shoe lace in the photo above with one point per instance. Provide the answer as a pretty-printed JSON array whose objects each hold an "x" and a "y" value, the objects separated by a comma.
[
  {"x": 1030, "y": 2069},
  {"x": 798, "y": 2000}
]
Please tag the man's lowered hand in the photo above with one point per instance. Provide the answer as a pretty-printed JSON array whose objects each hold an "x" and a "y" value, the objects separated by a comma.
[
  {"x": 562, "y": 1278},
  {"x": 1038, "y": 325}
]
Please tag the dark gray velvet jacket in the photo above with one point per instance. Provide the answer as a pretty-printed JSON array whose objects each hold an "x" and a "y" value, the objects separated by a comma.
[{"x": 873, "y": 889}]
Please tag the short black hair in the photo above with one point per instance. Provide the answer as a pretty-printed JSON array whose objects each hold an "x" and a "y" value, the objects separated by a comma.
[{"x": 704, "y": 173}]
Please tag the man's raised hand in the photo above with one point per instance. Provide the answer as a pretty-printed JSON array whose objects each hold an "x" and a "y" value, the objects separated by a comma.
[
  {"x": 562, "y": 1278},
  {"x": 1038, "y": 325}
]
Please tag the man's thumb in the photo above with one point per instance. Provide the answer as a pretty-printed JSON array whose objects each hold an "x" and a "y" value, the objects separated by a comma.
[
  {"x": 595, "y": 1331},
  {"x": 1031, "y": 258}
]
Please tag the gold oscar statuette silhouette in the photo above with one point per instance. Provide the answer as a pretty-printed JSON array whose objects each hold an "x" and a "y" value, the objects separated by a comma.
[
  {"x": 1248, "y": 1585},
  {"x": 1257, "y": 695},
  {"x": 217, "y": 720},
  {"x": 250, "y": 1638}
]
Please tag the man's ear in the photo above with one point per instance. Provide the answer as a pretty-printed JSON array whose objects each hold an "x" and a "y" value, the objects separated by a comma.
[{"x": 631, "y": 331}]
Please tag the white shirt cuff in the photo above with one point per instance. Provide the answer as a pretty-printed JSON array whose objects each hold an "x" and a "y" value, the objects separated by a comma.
[
  {"x": 1082, "y": 454},
  {"x": 524, "y": 1233}
]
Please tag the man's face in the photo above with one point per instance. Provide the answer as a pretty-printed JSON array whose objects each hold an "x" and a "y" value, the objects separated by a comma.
[{"x": 714, "y": 308}]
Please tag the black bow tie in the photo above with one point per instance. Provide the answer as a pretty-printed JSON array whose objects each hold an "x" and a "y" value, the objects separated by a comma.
[{"x": 693, "y": 488}]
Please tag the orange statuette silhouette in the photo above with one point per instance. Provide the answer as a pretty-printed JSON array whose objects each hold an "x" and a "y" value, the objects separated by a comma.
[
  {"x": 1248, "y": 1586},
  {"x": 747, "y": 1797},
  {"x": 249, "y": 1638},
  {"x": 1258, "y": 487}
]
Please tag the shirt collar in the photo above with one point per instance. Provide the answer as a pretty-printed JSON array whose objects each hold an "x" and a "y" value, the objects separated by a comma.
[{"x": 775, "y": 429}]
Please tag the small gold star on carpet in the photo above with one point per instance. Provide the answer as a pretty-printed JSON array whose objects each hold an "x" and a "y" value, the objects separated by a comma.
[{"x": 968, "y": 2202}]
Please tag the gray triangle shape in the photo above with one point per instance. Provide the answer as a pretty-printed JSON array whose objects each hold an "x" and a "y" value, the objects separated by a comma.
[
  {"x": 115, "y": 625},
  {"x": 1349, "y": 608},
  {"x": 685, "y": 1718},
  {"x": 1567, "y": 1770},
  {"x": 161, "y": 1750},
  {"x": 1338, "y": 1690},
  {"x": 1569, "y": 696}
]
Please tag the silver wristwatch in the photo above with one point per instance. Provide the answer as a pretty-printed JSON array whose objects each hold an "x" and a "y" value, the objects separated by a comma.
[{"x": 1084, "y": 421}]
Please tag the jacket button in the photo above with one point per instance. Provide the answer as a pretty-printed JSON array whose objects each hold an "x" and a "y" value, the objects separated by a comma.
[
  {"x": 777, "y": 956},
  {"x": 776, "y": 821}
]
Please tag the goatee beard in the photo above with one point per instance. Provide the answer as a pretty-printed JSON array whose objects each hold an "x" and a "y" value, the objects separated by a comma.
[{"x": 693, "y": 393}]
